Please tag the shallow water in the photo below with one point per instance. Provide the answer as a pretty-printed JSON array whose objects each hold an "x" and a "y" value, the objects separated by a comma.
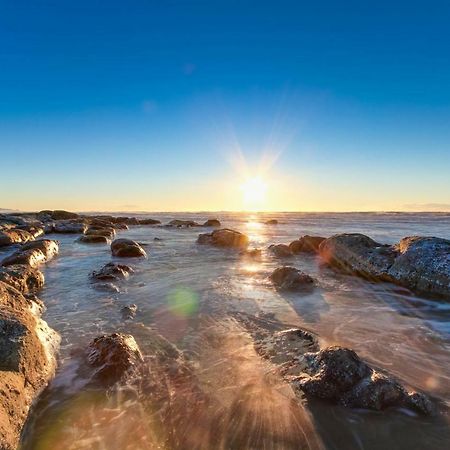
[{"x": 190, "y": 293}]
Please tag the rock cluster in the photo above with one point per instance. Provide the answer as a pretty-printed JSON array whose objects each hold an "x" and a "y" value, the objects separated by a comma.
[
  {"x": 291, "y": 279},
  {"x": 224, "y": 238},
  {"x": 421, "y": 264}
]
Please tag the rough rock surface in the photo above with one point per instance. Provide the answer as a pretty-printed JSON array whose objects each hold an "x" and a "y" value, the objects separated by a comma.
[
  {"x": 69, "y": 227},
  {"x": 108, "y": 232},
  {"x": 27, "y": 361},
  {"x": 14, "y": 236},
  {"x": 33, "y": 253},
  {"x": 23, "y": 278},
  {"x": 418, "y": 263},
  {"x": 280, "y": 250},
  {"x": 149, "y": 222},
  {"x": 129, "y": 311},
  {"x": 291, "y": 279},
  {"x": 224, "y": 238},
  {"x": 306, "y": 244},
  {"x": 58, "y": 214},
  {"x": 113, "y": 357},
  {"x": 182, "y": 223},
  {"x": 127, "y": 248},
  {"x": 112, "y": 272}
]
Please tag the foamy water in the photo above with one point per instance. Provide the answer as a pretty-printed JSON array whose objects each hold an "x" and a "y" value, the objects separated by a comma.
[{"x": 408, "y": 336}]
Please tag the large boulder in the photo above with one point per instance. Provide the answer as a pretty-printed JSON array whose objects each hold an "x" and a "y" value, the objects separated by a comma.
[
  {"x": 421, "y": 264},
  {"x": 112, "y": 272},
  {"x": 14, "y": 236},
  {"x": 306, "y": 244},
  {"x": 224, "y": 238},
  {"x": 113, "y": 357},
  {"x": 27, "y": 361},
  {"x": 48, "y": 247},
  {"x": 107, "y": 232},
  {"x": 358, "y": 254},
  {"x": 23, "y": 278},
  {"x": 127, "y": 248},
  {"x": 291, "y": 279},
  {"x": 93, "y": 239}
]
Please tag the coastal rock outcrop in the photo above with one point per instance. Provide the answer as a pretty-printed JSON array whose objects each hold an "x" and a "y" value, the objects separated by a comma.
[
  {"x": 271, "y": 222},
  {"x": 212, "y": 223},
  {"x": 69, "y": 227},
  {"x": 14, "y": 236},
  {"x": 182, "y": 223},
  {"x": 149, "y": 222},
  {"x": 113, "y": 357},
  {"x": 127, "y": 248},
  {"x": 93, "y": 239},
  {"x": 58, "y": 214},
  {"x": 33, "y": 253},
  {"x": 291, "y": 279},
  {"x": 306, "y": 244},
  {"x": 421, "y": 264},
  {"x": 23, "y": 278},
  {"x": 27, "y": 361},
  {"x": 224, "y": 238},
  {"x": 251, "y": 253}
]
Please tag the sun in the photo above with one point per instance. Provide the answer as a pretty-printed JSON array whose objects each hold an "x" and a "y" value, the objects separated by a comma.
[{"x": 254, "y": 193}]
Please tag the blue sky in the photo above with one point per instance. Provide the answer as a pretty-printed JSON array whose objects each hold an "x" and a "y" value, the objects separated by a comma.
[{"x": 154, "y": 105}]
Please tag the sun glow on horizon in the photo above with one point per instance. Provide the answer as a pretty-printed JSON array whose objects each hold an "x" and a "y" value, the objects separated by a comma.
[{"x": 254, "y": 193}]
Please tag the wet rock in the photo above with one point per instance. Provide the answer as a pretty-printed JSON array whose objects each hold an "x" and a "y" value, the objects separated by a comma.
[
  {"x": 423, "y": 265},
  {"x": 224, "y": 238},
  {"x": 252, "y": 253},
  {"x": 306, "y": 244},
  {"x": 33, "y": 253},
  {"x": 149, "y": 222},
  {"x": 23, "y": 278},
  {"x": 280, "y": 250},
  {"x": 35, "y": 231},
  {"x": 93, "y": 239},
  {"x": 212, "y": 223},
  {"x": 107, "y": 232},
  {"x": 113, "y": 357},
  {"x": 271, "y": 222},
  {"x": 129, "y": 312},
  {"x": 290, "y": 278},
  {"x": 112, "y": 272},
  {"x": 69, "y": 227},
  {"x": 182, "y": 223},
  {"x": 107, "y": 287},
  {"x": 14, "y": 236},
  {"x": 27, "y": 361},
  {"x": 59, "y": 214},
  {"x": 358, "y": 254},
  {"x": 127, "y": 248}
]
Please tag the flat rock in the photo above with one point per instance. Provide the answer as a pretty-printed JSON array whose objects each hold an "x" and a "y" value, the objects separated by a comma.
[{"x": 224, "y": 238}]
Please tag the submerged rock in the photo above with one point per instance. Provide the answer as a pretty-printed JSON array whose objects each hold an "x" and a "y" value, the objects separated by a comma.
[
  {"x": 182, "y": 223},
  {"x": 107, "y": 287},
  {"x": 112, "y": 271},
  {"x": 14, "y": 236},
  {"x": 224, "y": 238},
  {"x": 23, "y": 278},
  {"x": 127, "y": 248},
  {"x": 280, "y": 250},
  {"x": 291, "y": 279},
  {"x": 113, "y": 357},
  {"x": 27, "y": 361},
  {"x": 93, "y": 239},
  {"x": 212, "y": 223},
  {"x": 421, "y": 264},
  {"x": 306, "y": 244},
  {"x": 129, "y": 311},
  {"x": 271, "y": 222}
]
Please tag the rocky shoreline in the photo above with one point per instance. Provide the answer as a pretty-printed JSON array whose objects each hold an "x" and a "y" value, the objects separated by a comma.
[{"x": 29, "y": 347}]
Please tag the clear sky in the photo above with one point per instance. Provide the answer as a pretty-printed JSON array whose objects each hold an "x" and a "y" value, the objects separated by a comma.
[{"x": 174, "y": 105}]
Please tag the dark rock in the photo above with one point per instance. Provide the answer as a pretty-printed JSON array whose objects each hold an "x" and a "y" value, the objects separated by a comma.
[
  {"x": 182, "y": 223},
  {"x": 69, "y": 227},
  {"x": 212, "y": 223},
  {"x": 280, "y": 250},
  {"x": 48, "y": 247},
  {"x": 113, "y": 357},
  {"x": 129, "y": 312},
  {"x": 149, "y": 222},
  {"x": 107, "y": 232},
  {"x": 93, "y": 239},
  {"x": 224, "y": 238},
  {"x": 290, "y": 278},
  {"x": 32, "y": 258},
  {"x": 23, "y": 278},
  {"x": 59, "y": 214},
  {"x": 271, "y": 222},
  {"x": 306, "y": 244},
  {"x": 107, "y": 287},
  {"x": 127, "y": 248},
  {"x": 112, "y": 271}
]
